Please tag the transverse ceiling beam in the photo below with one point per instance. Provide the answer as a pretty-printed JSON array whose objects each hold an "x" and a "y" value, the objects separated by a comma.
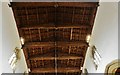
[
  {"x": 52, "y": 26},
  {"x": 53, "y": 58},
  {"x": 59, "y": 43},
  {"x": 52, "y": 70},
  {"x": 46, "y": 4}
]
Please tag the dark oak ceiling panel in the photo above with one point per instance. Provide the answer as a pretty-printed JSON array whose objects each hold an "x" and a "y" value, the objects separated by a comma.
[
  {"x": 55, "y": 35},
  {"x": 36, "y": 34}
]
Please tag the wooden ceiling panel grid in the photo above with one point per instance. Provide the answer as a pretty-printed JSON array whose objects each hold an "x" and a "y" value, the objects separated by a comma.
[
  {"x": 42, "y": 63},
  {"x": 77, "y": 50},
  {"x": 61, "y": 56},
  {"x": 46, "y": 34},
  {"x": 55, "y": 34},
  {"x": 27, "y": 15},
  {"x": 42, "y": 73},
  {"x": 38, "y": 51},
  {"x": 64, "y": 15},
  {"x": 69, "y": 73},
  {"x": 69, "y": 63}
]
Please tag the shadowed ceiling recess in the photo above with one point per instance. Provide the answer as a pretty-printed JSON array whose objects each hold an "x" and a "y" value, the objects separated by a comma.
[{"x": 55, "y": 34}]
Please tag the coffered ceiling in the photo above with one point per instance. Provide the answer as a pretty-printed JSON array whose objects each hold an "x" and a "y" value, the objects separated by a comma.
[{"x": 55, "y": 34}]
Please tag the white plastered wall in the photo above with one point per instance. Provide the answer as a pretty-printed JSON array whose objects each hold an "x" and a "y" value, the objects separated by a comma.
[
  {"x": 10, "y": 40},
  {"x": 104, "y": 36},
  {"x": 0, "y": 37}
]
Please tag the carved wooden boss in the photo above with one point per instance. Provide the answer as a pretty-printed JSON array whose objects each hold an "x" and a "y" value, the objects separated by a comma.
[{"x": 55, "y": 34}]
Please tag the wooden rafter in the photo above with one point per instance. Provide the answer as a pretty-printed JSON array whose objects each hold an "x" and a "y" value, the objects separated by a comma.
[
  {"x": 59, "y": 43},
  {"x": 73, "y": 43},
  {"x": 51, "y": 26},
  {"x": 46, "y": 4},
  {"x": 71, "y": 33},
  {"x": 39, "y": 44},
  {"x": 53, "y": 58},
  {"x": 39, "y": 34},
  {"x": 52, "y": 70}
]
